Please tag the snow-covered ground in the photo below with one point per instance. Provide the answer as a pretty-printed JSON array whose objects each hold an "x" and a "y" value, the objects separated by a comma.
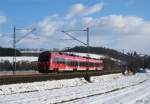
[
  {"x": 107, "y": 89},
  {"x": 21, "y": 58}
]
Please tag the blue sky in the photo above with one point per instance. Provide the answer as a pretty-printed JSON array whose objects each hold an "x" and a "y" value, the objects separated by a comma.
[
  {"x": 51, "y": 16},
  {"x": 26, "y": 12}
]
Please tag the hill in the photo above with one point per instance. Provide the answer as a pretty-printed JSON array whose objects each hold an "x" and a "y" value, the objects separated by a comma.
[{"x": 102, "y": 51}]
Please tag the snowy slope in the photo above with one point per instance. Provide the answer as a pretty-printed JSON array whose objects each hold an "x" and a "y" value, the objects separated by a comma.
[
  {"x": 85, "y": 55},
  {"x": 96, "y": 56},
  {"x": 108, "y": 89}
]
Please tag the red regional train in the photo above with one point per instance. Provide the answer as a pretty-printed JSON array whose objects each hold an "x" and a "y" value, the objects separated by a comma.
[{"x": 56, "y": 61}]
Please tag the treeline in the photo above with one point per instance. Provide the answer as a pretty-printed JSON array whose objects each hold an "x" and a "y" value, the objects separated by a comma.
[
  {"x": 21, "y": 65},
  {"x": 102, "y": 51},
  {"x": 6, "y": 65},
  {"x": 147, "y": 62},
  {"x": 9, "y": 52}
]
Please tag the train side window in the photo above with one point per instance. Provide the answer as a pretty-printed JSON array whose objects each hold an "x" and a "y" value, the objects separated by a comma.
[
  {"x": 62, "y": 61},
  {"x": 55, "y": 60},
  {"x": 68, "y": 62},
  {"x": 59, "y": 60},
  {"x": 91, "y": 64},
  {"x": 86, "y": 63},
  {"x": 96, "y": 64},
  {"x": 82, "y": 63},
  {"x": 74, "y": 63},
  {"x": 71, "y": 63},
  {"x": 78, "y": 62}
]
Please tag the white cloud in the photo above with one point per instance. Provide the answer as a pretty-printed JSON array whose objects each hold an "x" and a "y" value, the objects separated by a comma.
[
  {"x": 2, "y": 19},
  {"x": 49, "y": 25},
  {"x": 127, "y": 32},
  {"x": 113, "y": 31},
  {"x": 93, "y": 9},
  {"x": 122, "y": 23},
  {"x": 2, "y": 40},
  {"x": 81, "y": 10}
]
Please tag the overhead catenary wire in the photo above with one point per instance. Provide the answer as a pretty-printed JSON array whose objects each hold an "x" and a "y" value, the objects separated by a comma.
[
  {"x": 16, "y": 41},
  {"x": 73, "y": 38}
]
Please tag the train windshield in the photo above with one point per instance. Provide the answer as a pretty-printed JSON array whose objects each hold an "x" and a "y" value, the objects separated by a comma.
[{"x": 45, "y": 56}]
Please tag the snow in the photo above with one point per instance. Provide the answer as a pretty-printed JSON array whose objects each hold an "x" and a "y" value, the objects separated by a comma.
[
  {"x": 39, "y": 86},
  {"x": 85, "y": 55},
  {"x": 36, "y": 51},
  {"x": 21, "y": 58},
  {"x": 96, "y": 56},
  {"x": 107, "y": 89}
]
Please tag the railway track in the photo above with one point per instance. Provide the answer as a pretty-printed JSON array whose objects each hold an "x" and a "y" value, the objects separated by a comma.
[{"x": 11, "y": 79}]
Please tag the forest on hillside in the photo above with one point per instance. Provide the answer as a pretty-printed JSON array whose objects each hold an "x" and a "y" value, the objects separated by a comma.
[{"x": 9, "y": 52}]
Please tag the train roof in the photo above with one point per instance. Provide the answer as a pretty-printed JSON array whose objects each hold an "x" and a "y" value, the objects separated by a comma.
[{"x": 64, "y": 53}]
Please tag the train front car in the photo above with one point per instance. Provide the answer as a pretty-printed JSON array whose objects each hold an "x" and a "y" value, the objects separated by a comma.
[
  {"x": 44, "y": 62},
  {"x": 55, "y": 61}
]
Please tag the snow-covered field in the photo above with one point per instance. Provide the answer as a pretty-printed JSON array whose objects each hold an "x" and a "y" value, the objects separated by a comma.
[
  {"x": 107, "y": 89},
  {"x": 21, "y": 58}
]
